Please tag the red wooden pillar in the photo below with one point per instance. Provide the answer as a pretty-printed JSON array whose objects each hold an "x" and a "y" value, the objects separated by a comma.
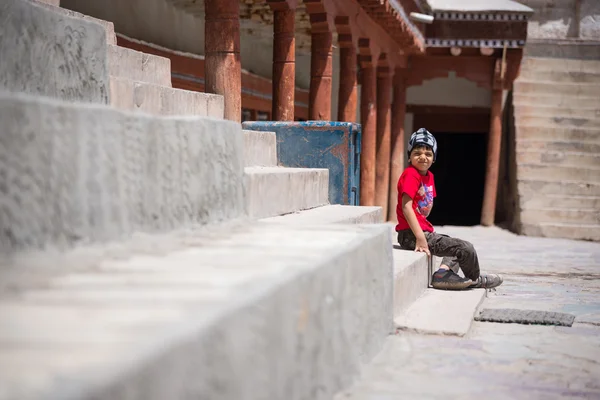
[
  {"x": 284, "y": 67},
  {"x": 397, "y": 158},
  {"x": 319, "y": 102},
  {"x": 223, "y": 71},
  {"x": 490, "y": 192},
  {"x": 368, "y": 120},
  {"x": 347, "y": 93},
  {"x": 382, "y": 157}
]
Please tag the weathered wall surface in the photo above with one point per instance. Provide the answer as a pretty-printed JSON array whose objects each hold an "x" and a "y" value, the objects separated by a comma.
[
  {"x": 51, "y": 54},
  {"x": 91, "y": 173},
  {"x": 564, "y": 19}
]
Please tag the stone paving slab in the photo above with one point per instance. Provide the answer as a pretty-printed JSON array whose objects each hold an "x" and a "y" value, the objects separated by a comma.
[{"x": 443, "y": 312}]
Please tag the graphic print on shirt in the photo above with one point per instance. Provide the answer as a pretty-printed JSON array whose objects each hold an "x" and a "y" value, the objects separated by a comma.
[{"x": 424, "y": 199}]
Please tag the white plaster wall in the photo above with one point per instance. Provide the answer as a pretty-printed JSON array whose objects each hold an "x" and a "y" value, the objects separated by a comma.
[{"x": 451, "y": 91}]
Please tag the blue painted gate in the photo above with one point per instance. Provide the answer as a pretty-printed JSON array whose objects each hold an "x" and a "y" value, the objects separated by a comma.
[{"x": 320, "y": 144}]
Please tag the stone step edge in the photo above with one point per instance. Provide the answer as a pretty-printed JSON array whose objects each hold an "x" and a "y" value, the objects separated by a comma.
[
  {"x": 260, "y": 148},
  {"x": 331, "y": 214},
  {"x": 117, "y": 51},
  {"x": 109, "y": 27},
  {"x": 273, "y": 191},
  {"x": 276, "y": 297},
  {"x": 430, "y": 313}
]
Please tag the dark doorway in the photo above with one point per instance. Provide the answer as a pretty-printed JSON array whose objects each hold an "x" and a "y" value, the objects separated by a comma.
[{"x": 459, "y": 178}]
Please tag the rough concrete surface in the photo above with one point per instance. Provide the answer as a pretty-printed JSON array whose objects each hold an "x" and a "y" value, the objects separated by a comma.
[
  {"x": 132, "y": 64},
  {"x": 88, "y": 172},
  {"x": 332, "y": 214},
  {"x": 443, "y": 312},
  {"x": 272, "y": 191},
  {"x": 51, "y": 54},
  {"x": 505, "y": 361},
  {"x": 239, "y": 311},
  {"x": 260, "y": 148},
  {"x": 127, "y": 94},
  {"x": 411, "y": 277}
]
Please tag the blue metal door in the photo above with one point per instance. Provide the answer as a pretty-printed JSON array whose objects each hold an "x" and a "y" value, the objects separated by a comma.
[{"x": 320, "y": 144}]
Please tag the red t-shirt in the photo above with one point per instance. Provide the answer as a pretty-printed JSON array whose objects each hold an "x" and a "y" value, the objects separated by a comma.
[{"x": 420, "y": 188}]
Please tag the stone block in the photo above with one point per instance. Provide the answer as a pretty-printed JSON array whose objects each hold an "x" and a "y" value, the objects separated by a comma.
[
  {"x": 558, "y": 120},
  {"x": 557, "y": 89},
  {"x": 260, "y": 148},
  {"x": 262, "y": 311},
  {"x": 558, "y": 134},
  {"x": 109, "y": 27},
  {"x": 127, "y": 94},
  {"x": 558, "y": 173},
  {"x": 76, "y": 173},
  {"x": 562, "y": 230},
  {"x": 138, "y": 66},
  {"x": 275, "y": 191},
  {"x": 531, "y": 187},
  {"x": 558, "y": 158},
  {"x": 51, "y": 54},
  {"x": 562, "y": 215}
]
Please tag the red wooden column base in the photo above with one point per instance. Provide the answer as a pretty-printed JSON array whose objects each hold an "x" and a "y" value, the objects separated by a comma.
[
  {"x": 223, "y": 71},
  {"x": 284, "y": 67},
  {"x": 397, "y": 158},
  {"x": 319, "y": 104},
  {"x": 382, "y": 163},
  {"x": 368, "y": 120}
]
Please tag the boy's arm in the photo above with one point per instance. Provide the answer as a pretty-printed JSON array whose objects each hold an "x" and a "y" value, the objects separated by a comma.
[{"x": 411, "y": 218}]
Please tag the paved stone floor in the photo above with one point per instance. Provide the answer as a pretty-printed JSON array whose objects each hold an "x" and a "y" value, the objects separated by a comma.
[{"x": 506, "y": 361}]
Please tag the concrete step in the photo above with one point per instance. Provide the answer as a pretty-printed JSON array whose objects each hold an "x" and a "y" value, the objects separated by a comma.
[
  {"x": 138, "y": 66},
  {"x": 92, "y": 173},
  {"x": 558, "y": 157},
  {"x": 273, "y": 191},
  {"x": 558, "y": 121},
  {"x": 547, "y": 133},
  {"x": 557, "y": 89},
  {"x": 260, "y": 148},
  {"x": 245, "y": 311},
  {"x": 537, "y": 187},
  {"x": 561, "y": 76},
  {"x": 558, "y": 146},
  {"x": 109, "y": 27},
  {"x": 560, "y": 201},
  {"x": 411, "y": 276},
  {"x": 558, "y": 112},
  {"x": 556, "y": 99},
  {"x": 127, "y": 94},
  {"x": 575, "y": 216},
  {"x": 430, "y": 313},
  {"x": 538, "y": 64},
  {"x": 558, "y": 173},
  {"x": 562, "y": 230},
  {"x": 332, "y": 214}
]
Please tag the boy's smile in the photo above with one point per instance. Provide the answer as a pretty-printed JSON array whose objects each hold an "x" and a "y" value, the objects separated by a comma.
[{"x": 422, "y": 159}]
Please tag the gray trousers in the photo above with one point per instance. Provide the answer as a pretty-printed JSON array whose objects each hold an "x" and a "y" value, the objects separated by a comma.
[{"x": 456, "y": 253}]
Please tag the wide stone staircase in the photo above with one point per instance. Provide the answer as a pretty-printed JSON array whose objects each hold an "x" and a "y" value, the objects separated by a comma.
[
  {"x": 557, "y": 122},
  {"x": 150, "y": 249}
]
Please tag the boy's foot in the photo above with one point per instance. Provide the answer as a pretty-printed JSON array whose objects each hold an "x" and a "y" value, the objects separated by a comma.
[
  {"x": 488, "y": 281},
  {"x": 449, "y": 280}
]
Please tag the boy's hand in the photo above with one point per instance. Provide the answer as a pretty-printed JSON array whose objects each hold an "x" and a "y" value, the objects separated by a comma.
[{"x": 422, "y": 246}]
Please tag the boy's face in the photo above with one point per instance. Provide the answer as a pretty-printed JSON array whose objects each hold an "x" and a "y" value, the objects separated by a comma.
[{"x": 421, "y": 158}]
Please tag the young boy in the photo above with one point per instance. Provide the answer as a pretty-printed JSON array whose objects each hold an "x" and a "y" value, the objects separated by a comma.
[{"x": 416, "y": 190}]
